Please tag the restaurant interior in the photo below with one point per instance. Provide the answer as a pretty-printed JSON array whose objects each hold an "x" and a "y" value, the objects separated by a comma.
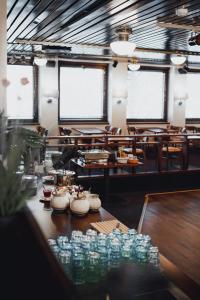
[{"x": 100, "y": 149}]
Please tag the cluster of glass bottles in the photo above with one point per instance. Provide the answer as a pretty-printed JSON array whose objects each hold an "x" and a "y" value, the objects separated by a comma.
[{"x": 86, "y": 258}]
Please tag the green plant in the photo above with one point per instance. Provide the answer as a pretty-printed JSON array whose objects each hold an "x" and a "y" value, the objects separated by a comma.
[{"x": 14, "y": 144}]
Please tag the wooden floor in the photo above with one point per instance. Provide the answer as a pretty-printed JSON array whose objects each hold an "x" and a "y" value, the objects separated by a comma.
[{"x": 173, "y": 222}]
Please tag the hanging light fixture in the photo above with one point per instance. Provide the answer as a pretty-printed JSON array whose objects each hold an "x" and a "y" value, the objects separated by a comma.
[
  {"x": 133, "y": 64},
  {"x": 178, "y": 59},
  {"x": 40, "y": 60},
  {"x": 123, "y": 47}
]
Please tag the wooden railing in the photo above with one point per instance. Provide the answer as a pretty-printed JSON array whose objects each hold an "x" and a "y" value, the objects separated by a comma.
[{"x": 144, "y": 141}]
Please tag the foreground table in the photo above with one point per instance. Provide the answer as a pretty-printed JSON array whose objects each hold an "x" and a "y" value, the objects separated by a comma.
[{"x": 131, "y": 281}]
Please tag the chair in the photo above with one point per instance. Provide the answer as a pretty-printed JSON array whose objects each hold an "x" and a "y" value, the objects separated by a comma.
[
  {"x": 116, "y": 131},
  {"x": 65, "y": 132},
  {"x": 42, "y": 131},
  {"x": 173, "y": 150},
  {"x": 108, "y": 128},
  {"x": 131, "y": 130}
]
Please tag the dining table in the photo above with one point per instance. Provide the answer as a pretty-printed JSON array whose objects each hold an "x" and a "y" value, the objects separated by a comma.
[
  {"x": 106, "y": 167},
  {"x": 156, "y": 130},
  {"x": 89, "y": 130},
  {"x": 128, "y": 281}
]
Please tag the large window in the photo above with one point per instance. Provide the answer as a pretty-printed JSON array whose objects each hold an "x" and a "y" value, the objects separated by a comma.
[
  {"x": 21, "y": 97},
  {"x": 193, "y": 102},
  {"x": 146, "y": 95},
  {"x": 82, "y": 93}
]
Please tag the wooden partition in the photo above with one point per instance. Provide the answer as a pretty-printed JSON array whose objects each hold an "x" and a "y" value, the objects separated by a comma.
[{"x": 166, "y": 146}]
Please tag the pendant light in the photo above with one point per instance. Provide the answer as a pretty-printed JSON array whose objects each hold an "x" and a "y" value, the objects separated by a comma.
[
  {"x": 178, "y": 59},
  {"x": 123, "y": 47},
  {"x": 133, "y": 64},
  {"x": 40, "y": 60}
]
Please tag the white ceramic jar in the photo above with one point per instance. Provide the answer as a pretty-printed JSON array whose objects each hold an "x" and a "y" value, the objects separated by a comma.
[
  {"x": 94, "y": 201},
  {"x": 80, "y": 206},
  {"x": 60, "y": 201}
]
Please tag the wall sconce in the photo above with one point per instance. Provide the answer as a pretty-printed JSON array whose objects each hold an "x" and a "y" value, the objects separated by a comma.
[{"x": 115, "y": 63}]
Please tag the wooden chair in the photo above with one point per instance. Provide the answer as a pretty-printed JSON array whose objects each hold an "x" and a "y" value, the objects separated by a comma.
[
  {"x": 173, "y": 150},
  {"x": 42, "y": 130},
  {"x": 116, "y": 131},
  {"x": 108, "y": 128},
  {"x": 65, "y": 132},
  {"x": 131, "y": 130}
]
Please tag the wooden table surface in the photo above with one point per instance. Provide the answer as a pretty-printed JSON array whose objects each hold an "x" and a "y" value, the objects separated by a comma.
[
  {"x": 56, "y": 223},
  {"x": 91, "y": 130},
  {"x": 82, "y": 164},
  {"x": 172, "y": 220},
  {"x": 149, "y": 283}
]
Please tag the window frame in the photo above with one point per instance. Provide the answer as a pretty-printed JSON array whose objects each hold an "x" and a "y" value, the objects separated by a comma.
[
  {"x": 34, "y": 120},
  {"x": 105, "y": 94},
  {"x": 192, "y": 120},
  {"x": 166, "y": 83}
]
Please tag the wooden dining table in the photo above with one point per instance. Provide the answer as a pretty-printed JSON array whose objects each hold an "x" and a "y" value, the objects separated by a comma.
[
  {"x": 78, "y": 163},
  {"x": 90, "y": 130},
  {"x": 129, "y": 281}
]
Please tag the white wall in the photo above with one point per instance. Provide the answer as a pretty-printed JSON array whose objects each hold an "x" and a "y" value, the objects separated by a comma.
[
  {"x": 48, "y": 92},
  {"x": 177, "y": 97},
  {"x": 117, "y": 103}
]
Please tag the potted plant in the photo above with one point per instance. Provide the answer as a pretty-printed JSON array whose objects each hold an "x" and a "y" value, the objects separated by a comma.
[{"x": 29, "y": 270}]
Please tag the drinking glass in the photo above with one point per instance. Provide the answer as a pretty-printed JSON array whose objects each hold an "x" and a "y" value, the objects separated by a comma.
[
  {"x": 78, "y": 270},
  {"x": 62, "y": 241},
  {"x": 153, "y": 256},
  {"x": 141, "y": 254},
  {"x": 115, "y": 253},
  {"x": 93, "y": 267}
]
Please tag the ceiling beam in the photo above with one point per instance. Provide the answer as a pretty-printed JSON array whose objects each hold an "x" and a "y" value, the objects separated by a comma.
[
  {"x": 179, "y": 26},
  {"x": 94, "y": 46}
]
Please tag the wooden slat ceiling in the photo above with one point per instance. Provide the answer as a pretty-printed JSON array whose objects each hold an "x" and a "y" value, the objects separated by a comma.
[{"x": 93, "y": 22}]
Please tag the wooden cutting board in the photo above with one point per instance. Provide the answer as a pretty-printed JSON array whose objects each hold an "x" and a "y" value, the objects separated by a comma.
[{"x": 108, "y": 226}]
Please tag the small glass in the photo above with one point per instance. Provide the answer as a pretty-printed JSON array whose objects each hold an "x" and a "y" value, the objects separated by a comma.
[
  {"x": 51, "y": 242},
  {"x": 153, "y": 256},
  {"x": 104, "y": 260},
  {"x": 101, "y": 240},
  {"x": 76, "y": 233},
  {"x": 62, "y": 241},
  {"x": 141, "y": 254},
  {"x": 126, "y": 252},
  {"x": 85, "y": 243},
  {"x": 93, "y": 267},
  {"x": 47, "y": 193},
  {"x": 78, "y": 269},
  {"x": 115, "y": 253},
  {"x": 55, "y": 250},
  {"x": 91, "y": 233}
]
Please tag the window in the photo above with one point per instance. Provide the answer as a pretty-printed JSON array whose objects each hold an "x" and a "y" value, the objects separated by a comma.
[
  {"x": 21, "y": 96},
  {"x": 82, "y": 93},
  {"x": 146, "y": 95},
  {"x": 192, "y": 110}
]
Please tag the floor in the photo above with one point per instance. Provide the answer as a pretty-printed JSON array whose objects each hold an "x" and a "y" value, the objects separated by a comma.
[{"x": 126, "y": 197}]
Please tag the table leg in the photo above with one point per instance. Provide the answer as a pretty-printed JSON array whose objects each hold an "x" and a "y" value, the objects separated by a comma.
[{"x": 106, "y": 184}]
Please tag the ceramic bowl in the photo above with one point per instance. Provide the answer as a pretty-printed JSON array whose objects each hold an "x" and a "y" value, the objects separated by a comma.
[{"x": 122, "y": 160}]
